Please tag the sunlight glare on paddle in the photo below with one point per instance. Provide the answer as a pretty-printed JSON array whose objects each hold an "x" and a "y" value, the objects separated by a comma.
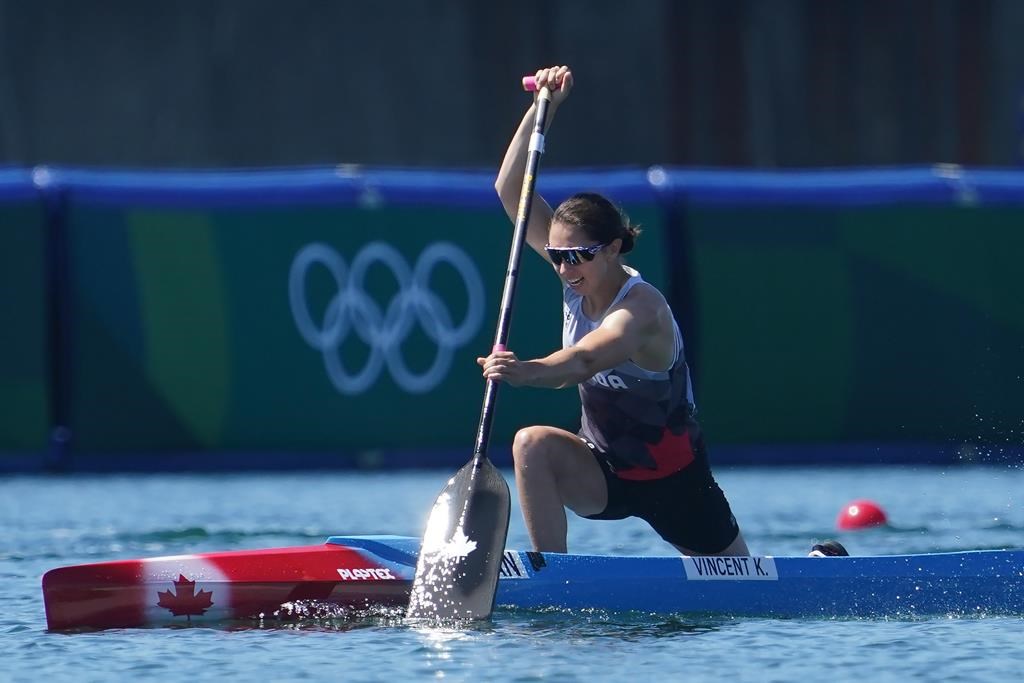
[
  {"x": 437, "y": 524},
  {"x": 440, "y": 558}
]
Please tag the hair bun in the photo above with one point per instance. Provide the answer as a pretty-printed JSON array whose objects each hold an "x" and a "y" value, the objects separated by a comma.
[{"x": 629, "y": 235}]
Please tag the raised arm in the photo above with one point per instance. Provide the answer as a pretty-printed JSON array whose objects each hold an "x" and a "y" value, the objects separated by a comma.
[{"x": 510, "y": 176}]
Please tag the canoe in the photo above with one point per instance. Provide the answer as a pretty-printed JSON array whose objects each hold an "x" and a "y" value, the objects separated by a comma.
[{"x": 365, "y": 572}]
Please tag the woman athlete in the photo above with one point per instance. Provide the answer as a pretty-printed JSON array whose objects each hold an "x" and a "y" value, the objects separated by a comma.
[{"x": 639, "y": 452}]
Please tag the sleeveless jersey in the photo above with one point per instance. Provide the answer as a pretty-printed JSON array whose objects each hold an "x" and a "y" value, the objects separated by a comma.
[{"x": 638, "y": 420}]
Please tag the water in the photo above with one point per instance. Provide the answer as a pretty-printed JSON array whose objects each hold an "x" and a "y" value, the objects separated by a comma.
[{"x": 47, "y": 522}]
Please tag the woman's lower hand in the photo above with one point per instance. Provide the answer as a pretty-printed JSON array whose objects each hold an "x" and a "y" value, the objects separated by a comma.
[{"x": 502, "y": 366}]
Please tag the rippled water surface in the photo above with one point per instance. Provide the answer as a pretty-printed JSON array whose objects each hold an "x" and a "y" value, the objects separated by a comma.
[{"x": 53, "y": 521}]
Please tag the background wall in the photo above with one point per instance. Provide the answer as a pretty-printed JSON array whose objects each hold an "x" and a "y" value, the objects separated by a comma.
[
  {"x": 25, "y": 352},
  {"x": 435, "y": 82},
  {"x": 318, "y": 318},
  {"x": 144, "y": 277}
]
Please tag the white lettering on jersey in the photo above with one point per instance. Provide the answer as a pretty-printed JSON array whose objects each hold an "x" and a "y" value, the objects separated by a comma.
[{"x": 610, "y": 380}]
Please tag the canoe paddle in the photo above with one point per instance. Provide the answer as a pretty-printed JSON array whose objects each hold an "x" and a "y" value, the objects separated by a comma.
[{"x": 460, "y": 555}]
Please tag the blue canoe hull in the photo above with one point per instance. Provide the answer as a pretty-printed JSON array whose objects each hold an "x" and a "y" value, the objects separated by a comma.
[
  {"x": 370, "y": 572},
  {"x": 958, "y": 583}
]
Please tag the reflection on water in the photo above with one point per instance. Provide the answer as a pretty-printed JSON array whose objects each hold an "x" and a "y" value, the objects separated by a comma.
[
  {"x": 565, "y": 624},
  {"x": 594, "y": 623}
]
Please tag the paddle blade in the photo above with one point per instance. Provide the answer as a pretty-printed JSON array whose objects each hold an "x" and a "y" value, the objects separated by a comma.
[{"x": 457, "y": 573}]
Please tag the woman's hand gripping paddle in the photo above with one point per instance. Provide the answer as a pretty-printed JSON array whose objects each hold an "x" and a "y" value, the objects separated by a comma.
[{"x": 457, "y": 573}]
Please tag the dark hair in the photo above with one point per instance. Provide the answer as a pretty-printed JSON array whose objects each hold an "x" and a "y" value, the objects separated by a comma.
[{"x": 600, "y": 219}]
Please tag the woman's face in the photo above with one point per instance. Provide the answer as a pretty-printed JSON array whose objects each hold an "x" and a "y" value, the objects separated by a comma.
[{"x": 576, "y": 271}]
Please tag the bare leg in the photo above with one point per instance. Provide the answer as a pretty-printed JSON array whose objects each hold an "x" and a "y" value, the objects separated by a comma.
[{"x": 555, "y": 470}]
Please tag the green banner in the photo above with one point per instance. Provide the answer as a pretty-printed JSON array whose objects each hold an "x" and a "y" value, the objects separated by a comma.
[
  {"x": 305, "y": 328},
  {"x": 859, "y": 324},
  {"x": 24, "y": 394}
]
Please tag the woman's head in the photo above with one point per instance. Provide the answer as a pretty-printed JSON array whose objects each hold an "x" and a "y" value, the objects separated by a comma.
[
  {"x": 596, "y": 219},
  {"x": 586, "y": 236}
]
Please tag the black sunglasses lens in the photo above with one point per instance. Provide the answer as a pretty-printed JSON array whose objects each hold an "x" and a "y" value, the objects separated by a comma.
[{"x": 572, "y": 257}]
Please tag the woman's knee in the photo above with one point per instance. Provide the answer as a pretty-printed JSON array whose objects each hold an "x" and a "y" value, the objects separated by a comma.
[{"x": 532, "y": 445}]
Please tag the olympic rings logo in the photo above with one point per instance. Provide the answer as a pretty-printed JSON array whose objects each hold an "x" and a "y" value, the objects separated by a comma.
[{"x": 383, "y": 330}]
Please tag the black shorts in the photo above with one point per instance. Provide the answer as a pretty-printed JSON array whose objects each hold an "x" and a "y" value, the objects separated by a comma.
[{"x": 687, "y": 508}]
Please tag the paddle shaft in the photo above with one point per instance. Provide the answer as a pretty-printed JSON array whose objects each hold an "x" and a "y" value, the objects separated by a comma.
[{"x": 536, "y": 148}]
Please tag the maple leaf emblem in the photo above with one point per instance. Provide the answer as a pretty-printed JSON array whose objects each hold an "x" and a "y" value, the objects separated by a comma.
[
  {"x": 459, "y": 546},
  {"x": 185, "y": 601}
]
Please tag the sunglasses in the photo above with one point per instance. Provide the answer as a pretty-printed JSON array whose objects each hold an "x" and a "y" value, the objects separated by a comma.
[{"x": 573, "y": 256}]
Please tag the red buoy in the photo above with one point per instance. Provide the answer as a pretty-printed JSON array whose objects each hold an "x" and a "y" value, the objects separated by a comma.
[{"x": 860, "y": 514}]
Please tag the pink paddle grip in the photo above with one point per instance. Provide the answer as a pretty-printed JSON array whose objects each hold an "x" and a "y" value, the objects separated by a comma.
[
  {"x": 530, "y": 83},
  {"x": 498, "y": 348}
]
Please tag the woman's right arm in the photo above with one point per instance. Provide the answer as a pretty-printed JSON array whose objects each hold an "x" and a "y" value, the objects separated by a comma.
[{"x": 509, "y": 183}]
